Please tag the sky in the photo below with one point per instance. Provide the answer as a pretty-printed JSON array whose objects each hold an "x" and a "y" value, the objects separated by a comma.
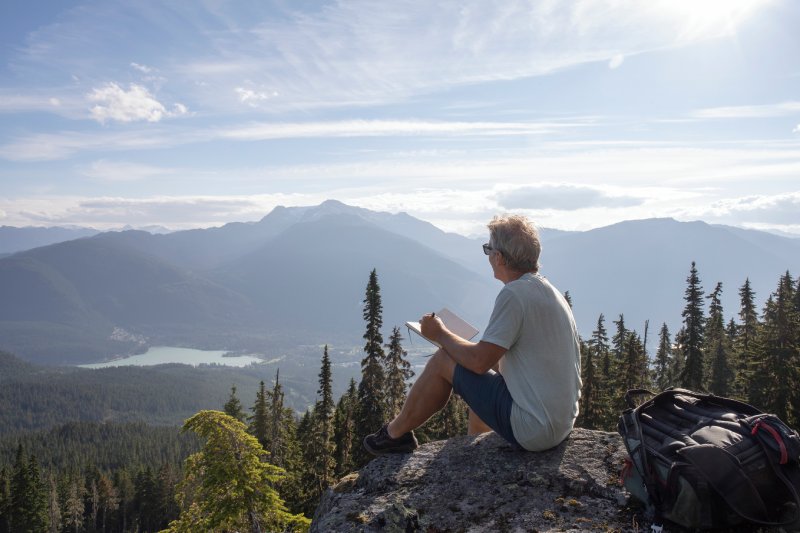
[{"x": 577, "y": 113}]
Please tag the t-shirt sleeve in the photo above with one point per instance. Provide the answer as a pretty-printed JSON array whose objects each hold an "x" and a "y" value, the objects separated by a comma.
[{"x": 505, "y": 323}]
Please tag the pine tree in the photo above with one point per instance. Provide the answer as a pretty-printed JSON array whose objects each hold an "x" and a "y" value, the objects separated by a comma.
[
  {"x": 73, "y": 506},
  {"x": 228, "y": 484},
  {"x": 28, "y": 495},
  {"x": 19, "y": 490},
  {"x": 693, "y": 334},
  {"x": 344, "y": 429},
  {"x": 776, "y": 379},
  {"x": 663, "y": 376},
  {"x": 398, "y": 372},
  {"x": 259, "y": 420},
  {"x": 124, "y": 484},
  {"x": 325, "y": 406},
  {"x": 146, "y": 500},
  {"x": 279, "y": 431},
  {"x": 616, "y": 381},
  {"x": 94, "y": 501},
  {"x": 371, "y": 402},
  {"x": 450, "y": 421},
  {"x": 590, "y": 411},
  {"x": 233, "y": 407},
  {"x": 599, "y": 411},
  {"x": 745, "y": 344},
  {"x": 53, "y": 506},
  {"x": 634, "y": 370},
  {"x": 307, "y": 476},
  {"x": 323, "y": 435},
  {"x": 166, "y": 487},
  {"x": 717, "y": 346},
  {"x": 291, "y": 460},
  {"x": 5, "y": 501}
]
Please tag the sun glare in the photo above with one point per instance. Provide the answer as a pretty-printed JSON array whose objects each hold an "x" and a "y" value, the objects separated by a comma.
[{"x": 710, "y": 18}]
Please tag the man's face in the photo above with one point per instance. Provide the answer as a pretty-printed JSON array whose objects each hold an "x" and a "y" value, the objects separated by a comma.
[{"x": 494, "y": 257}]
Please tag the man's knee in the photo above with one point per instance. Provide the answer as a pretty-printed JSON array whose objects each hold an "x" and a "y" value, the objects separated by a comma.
[{"x": 442, "y": 365}]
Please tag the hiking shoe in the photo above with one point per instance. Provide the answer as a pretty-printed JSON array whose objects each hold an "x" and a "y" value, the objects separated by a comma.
[{"x": 381, "y": 443}]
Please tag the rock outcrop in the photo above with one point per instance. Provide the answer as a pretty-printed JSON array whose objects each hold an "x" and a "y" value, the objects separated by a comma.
[{"x": 481, "y": 484}]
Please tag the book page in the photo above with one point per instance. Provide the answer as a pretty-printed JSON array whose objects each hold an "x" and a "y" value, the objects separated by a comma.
[{"x": 452, "y": 321}]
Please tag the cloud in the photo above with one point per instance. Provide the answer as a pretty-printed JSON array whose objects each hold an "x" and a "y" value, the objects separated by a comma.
[
  {"x": 385, "y": 128},
  {"x": 776, "y": 209},
  {"x": 51, "y": 146},
  {"x": 359, "y": 52},
  {"x": 749, "y": 111},
  {"x": 142, "y": 68},
  {"x": 356, "y": 52},
  {"x": 136, "y": 104},
  {"x": 252, "y": 98},
  {"x": 561, "y": 198},
  {"x": 65, "y": 144},
  {"x": 39, "y": 101},
  {"x": 796, "y": 129},
  {"x": 178, "y": 212},
  {"x": 117, "y": 171}
]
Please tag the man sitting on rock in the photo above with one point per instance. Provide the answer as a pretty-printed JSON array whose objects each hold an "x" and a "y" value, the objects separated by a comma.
[{"x": 522, "y": 379}]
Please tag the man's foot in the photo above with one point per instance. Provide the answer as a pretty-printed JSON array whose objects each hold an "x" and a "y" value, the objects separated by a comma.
[{"x": 381, "y": 443}]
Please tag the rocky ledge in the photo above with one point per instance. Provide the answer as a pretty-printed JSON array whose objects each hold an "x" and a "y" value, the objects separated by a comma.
[{"x": 481, "y": 484}]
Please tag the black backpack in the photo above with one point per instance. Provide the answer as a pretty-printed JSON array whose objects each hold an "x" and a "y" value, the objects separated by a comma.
[{"x": 703, "y": 461}]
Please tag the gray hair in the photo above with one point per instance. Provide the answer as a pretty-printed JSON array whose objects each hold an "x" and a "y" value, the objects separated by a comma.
[{"x": 518, "y": 240}]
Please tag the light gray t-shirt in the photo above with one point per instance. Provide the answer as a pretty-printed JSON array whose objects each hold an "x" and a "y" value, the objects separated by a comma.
[{"x": 542, "y": 367}]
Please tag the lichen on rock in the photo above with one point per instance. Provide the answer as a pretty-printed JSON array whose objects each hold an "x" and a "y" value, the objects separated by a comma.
[{"x": 482, "y": 484}]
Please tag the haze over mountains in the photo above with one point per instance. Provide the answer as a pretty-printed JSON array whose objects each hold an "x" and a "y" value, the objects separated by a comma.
[{"x": 297, "y": 277}]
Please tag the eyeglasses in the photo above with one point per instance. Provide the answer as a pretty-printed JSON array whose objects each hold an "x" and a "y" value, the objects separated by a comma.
[{"x": 487, "y": 249}]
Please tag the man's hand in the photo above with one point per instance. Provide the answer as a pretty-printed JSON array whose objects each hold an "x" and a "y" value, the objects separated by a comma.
[{"x": 432, "y": 327}]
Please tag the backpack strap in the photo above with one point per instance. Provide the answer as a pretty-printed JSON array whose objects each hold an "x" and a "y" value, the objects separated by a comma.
[
  {"x": 723, "y": 472},
  {"x": 629, "y": 396}
]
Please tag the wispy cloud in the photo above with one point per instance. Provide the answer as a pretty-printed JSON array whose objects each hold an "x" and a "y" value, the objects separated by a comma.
[
  {"x": 112, "y": 102},
  {"x": 57, "y": 101},
  {"x": 142, "y": 68},
  {"x": 384, "y": 128},
  {"x": 561, "y": 198},
  {"x": 251, "y": 97},
  {"x": 616, "y": 61},
  {"x": 66, "y": 144},
  {"x": 52, "y": 146},
  {"x": 775, "y": 209},
  {"x": 179, "y": 212},
  {"x": 354, "y": 52},
  {"x": 750, "y": 111},
  {"x": 115, "y": 171}
]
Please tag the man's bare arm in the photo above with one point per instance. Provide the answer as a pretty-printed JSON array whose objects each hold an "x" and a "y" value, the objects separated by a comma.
[{"x": 477, "y": 357}]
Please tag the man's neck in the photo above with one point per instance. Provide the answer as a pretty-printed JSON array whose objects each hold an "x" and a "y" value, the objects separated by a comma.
[{"x": 512, "y": 275}]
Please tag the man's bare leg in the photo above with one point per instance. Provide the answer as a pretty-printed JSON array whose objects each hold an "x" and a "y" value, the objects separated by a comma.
[
  {"x": 428, "y": 395},
  {"x": 476, "y": 426}
]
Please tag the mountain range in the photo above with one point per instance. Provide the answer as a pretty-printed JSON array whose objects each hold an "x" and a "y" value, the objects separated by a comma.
[{"x": 298, "y": 276}]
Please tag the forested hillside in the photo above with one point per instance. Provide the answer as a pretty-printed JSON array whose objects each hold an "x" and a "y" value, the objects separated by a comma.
[
  {"x": 287, "y": 280},
  {"x": 113, "y": 476},
  {"x": 35, "y": 397},
  {"x": 88, "y": 476},
  {"x": 747, "y": 353}
]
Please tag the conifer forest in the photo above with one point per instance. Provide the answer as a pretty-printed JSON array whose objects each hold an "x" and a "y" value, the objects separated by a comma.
[{"x": 257, "y": 465}]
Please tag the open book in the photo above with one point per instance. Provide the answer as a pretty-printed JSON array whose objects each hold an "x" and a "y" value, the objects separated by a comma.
[{"x": 452, "y": 321}]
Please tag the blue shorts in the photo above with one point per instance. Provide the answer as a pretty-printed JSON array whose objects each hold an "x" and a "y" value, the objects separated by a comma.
[{"x": 488, "y": 397}]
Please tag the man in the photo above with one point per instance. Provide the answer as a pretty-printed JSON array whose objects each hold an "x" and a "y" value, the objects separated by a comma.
[{"x": 522, "y": 379}]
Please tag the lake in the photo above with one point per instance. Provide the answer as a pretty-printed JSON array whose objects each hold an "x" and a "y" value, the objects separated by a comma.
[{"x": 159, "y": 355}]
